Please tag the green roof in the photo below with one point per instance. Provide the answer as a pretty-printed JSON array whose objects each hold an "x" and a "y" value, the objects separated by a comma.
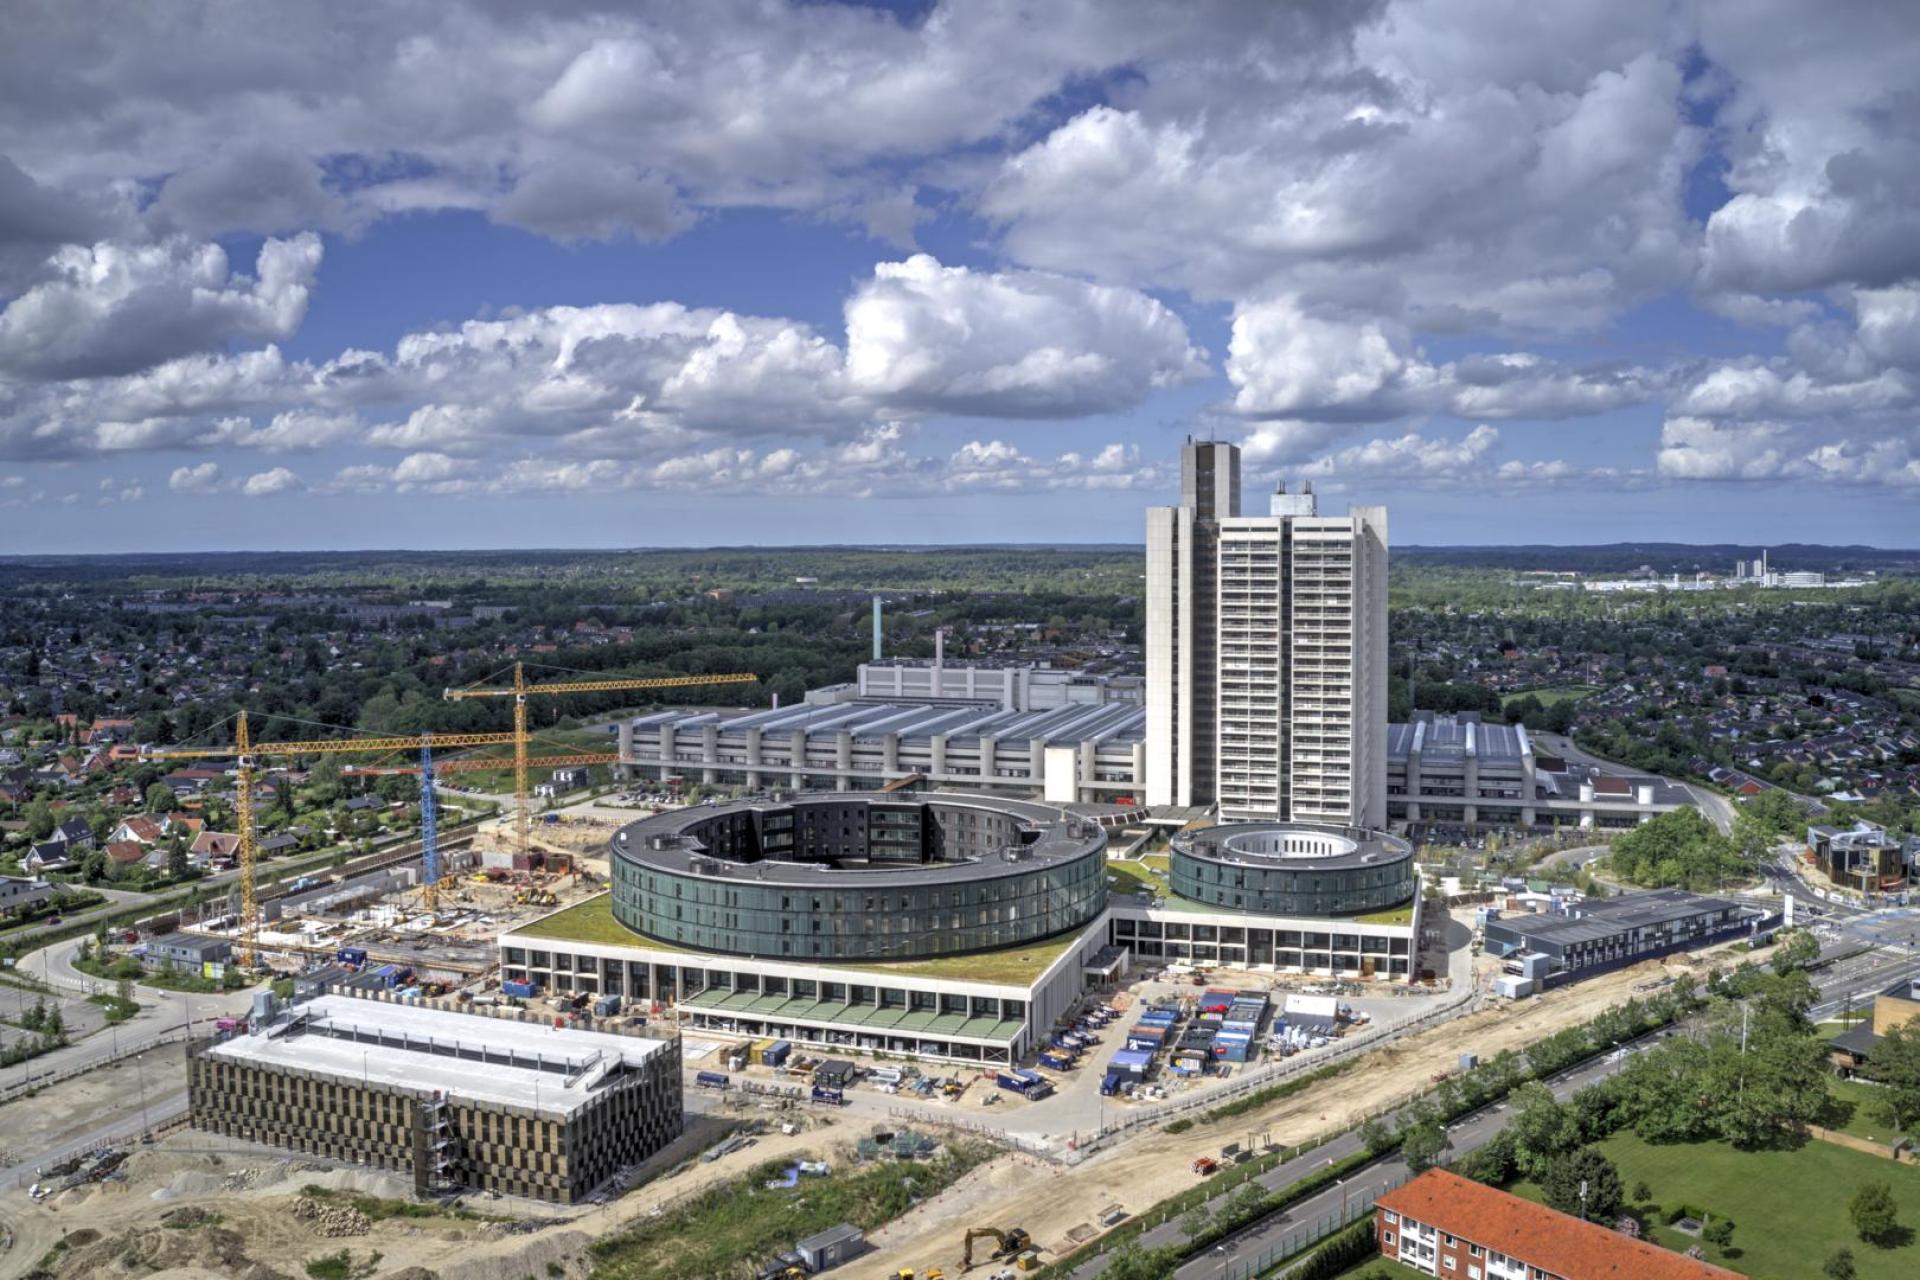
[{"x": 592, "y": 921}]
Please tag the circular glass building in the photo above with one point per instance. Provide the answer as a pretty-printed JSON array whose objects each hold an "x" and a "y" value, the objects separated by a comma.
[
  {"x": 1291, "y": 869},
  {"x": 858, "y": 876}
]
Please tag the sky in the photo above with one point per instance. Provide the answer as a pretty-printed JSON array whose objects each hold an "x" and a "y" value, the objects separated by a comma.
[{"x": 471, "y": 273}]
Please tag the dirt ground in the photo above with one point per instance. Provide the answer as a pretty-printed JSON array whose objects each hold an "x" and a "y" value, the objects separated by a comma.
[
  {"x": 1052, "y": 1202},
  {"x": 120, "y": 1227}
]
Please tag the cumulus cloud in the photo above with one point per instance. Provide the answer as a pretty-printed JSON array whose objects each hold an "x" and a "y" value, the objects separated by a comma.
[
  {"x": 115, "y": 308},
  {"x": 265, "y": 484},
  {"x": 1286, "y": 360},
  {"x": 1009, "y": 344},
  {"x": 201, "y": 478}
]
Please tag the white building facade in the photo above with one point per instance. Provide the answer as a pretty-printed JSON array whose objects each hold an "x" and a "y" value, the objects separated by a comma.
[{"x": 1266, "y": 653}]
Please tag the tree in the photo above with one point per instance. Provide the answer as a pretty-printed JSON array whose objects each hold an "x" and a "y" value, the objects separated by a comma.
[
  {"x": 1896, "y": 1065},
  {"x": 1583, "y": 1183},
  {"x": 1245, "y": 1203},
  {"x": 1194, "y": 1224},
  {"x": 1542, "y": 1129},
  {"x": 1840, "y": 1266},
  {"x": 1642, "y": 1192},
  {"x": 160, "y": 799},
  {"x": 1797, "y": 950},
  {"x": 1874, "y": 1213},
  {"x": 39, "y": 819},
  {"x": 1718, "y": 1232},
  {"x": 178, "y": 864},
  {"x": 1423, "y": 1143},
  {"x": 1375, "y": 1135}
]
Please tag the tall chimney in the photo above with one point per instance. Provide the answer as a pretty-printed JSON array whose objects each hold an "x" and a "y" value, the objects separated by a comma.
[
  {"x": 939, "y": 652},
  {"x": 876, "y": 629}
]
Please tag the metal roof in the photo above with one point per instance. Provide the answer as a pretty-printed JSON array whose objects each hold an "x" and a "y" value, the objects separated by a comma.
[{"x": 961, "y": 723}]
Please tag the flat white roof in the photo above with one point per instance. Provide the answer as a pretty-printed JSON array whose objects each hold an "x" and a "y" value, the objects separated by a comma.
[{"x": 523, "y": 1064}]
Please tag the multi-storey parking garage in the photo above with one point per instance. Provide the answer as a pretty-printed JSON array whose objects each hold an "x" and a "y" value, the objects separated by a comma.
[{"x": 852, "y": 876}]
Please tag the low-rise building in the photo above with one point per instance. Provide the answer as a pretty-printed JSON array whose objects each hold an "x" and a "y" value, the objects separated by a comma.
[
  {"x": 1897, "y": 1006},
  {"x": 20, "y": 894},
  {"x": 187, "y": 951},
  {"x": 1866, "y": 856},
  {"x": 1442, "y": 1224},
  {"x": 1596, "y": 934},
  {"x": 1456, "y": 770}
]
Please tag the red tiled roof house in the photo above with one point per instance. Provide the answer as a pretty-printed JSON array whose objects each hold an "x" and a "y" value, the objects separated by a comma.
[{"x": 1445, "y": 1225}]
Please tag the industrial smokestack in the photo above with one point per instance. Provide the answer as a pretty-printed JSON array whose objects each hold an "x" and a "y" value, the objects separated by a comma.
[
  {"x": 876, "y": 628},
  {"x": 939, "y": 649}
]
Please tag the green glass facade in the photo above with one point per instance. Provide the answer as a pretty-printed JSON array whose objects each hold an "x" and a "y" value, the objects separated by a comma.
[
  {"x": 1370, "y": 872},
  {"x": 844, "y": 877}
]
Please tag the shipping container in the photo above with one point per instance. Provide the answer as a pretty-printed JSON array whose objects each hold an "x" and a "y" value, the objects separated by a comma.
[
  {"x": 823, "y": 1094},
  {"x": 1055, "y": 1061},
  {"x": 776, "y": 1054},
  {"x": 519, "y": 990},
  {"x": 712, "y": 1080}
]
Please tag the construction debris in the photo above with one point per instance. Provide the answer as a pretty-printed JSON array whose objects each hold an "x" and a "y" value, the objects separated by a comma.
[{"x": 331, "y": 1220}]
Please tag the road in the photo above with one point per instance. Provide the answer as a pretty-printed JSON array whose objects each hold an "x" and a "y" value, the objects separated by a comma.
[{"x": 162, "y": 1013}]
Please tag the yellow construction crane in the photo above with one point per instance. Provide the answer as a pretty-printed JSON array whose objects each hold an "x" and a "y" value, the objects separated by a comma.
[
  {"x": 520, "y": 691},
  {"x": 243, "y": 752},
  {"x": 467, "y": 764}
]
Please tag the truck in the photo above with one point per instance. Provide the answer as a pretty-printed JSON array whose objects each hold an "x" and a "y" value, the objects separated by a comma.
[
  {"x": 834, "y": 1097},
  {"x": 713, "y": 1080}
]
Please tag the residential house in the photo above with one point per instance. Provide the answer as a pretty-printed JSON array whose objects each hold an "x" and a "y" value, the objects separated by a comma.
[
  {"x": 52, "y": 855},
  {"x": 21, "y": 893},
  {"x": 74, "y": 832},
  {"x": 214, "y": 847}
]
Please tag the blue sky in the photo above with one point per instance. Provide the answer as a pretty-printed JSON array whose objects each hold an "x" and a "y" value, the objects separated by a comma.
[{"x": 458, "y": 276}]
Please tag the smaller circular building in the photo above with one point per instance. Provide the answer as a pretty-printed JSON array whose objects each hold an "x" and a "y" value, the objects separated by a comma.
[
  {"x": 858, "y": 876},
  {"x": 1293, "y": 869}
]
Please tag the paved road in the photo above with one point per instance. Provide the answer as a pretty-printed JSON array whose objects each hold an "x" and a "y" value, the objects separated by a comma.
[
  {"x": 162, "y": 1013},
  {"x": 1715, "y": 807}
]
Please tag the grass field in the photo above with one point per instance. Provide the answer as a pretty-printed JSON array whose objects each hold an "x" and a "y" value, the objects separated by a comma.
[
  {"x": 1381, "y": 1269},
  {"x": 1789, "y": 1208},
  {"x": 1857, "y": 1112},
  {"x": 592, "y": 921},
  {"x": 1553, "y": 693}
]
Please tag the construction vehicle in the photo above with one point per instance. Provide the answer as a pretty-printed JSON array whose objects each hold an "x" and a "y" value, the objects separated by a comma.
[{"x": 1006, "y": 1244}]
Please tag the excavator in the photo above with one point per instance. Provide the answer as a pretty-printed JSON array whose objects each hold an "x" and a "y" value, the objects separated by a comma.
[{"x": 1006, "y": 1244}]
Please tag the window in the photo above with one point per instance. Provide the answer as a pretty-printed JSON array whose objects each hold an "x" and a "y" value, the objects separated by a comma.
[
  {"x": 1393, "y": 1218},
  {"x": 1386, "y": 1237},
  {"x": 1473, "y": 1250}
]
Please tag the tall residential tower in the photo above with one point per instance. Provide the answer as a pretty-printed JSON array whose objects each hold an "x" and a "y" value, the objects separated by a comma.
[{"x": 1266, "y": 653}]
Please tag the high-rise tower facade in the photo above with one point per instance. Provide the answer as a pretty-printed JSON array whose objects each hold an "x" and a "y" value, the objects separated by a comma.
[
  {"x": 1266, "y": 654},
  {"x": 1182, "y": 567}
]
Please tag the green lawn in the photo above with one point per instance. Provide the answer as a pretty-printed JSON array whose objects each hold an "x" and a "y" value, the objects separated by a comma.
[
  {"x": 1856, "y": 1111},
  {"x": 1789, "y": 1207},
  {"x": 1396, "y": 915},
  {"x": 1127, "y": 876},
  {"x": 1553, "y": 694},
  {"x": 1381, "y": 1269},
  {"x": 592, "y": 921}
]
